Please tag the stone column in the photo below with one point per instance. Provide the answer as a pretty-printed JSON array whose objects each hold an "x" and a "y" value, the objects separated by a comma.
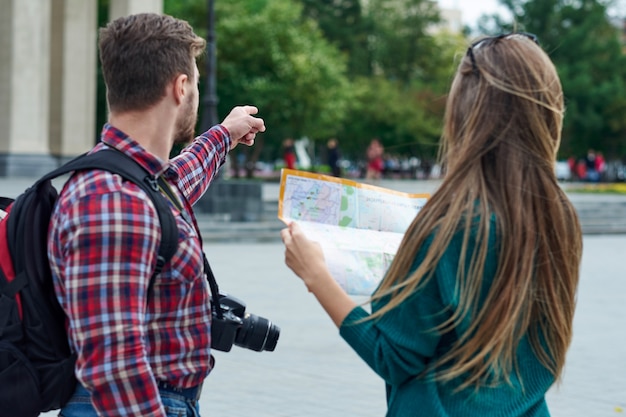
[
  {"x": 119, "y": 8},
  {"x": 73, "y": 77},
  {"x": 24, "y": 87}
]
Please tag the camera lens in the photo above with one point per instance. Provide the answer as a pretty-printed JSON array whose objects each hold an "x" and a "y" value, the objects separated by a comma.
[{"x": 257, "y": 333}]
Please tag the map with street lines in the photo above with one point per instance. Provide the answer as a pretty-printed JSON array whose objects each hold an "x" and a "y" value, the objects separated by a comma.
[{"x": 359, "y": 226}]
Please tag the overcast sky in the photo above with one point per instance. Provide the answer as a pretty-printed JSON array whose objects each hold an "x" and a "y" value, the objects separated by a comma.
[{"x": 473, "y": 9}]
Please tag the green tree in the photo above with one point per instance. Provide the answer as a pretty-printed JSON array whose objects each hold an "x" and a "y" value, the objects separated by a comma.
[
  {"x": 401, "y": 46},
  {"x": 192, "y": 11},
  {"x": 400, "y": 70},
  {"x": 344, "y": 24},
  {"x": 588, "y": 54},
  {"x": 294, "y": 59},
  {"x": 408, "y": 120},
  {"x": 268, "y": 55}
]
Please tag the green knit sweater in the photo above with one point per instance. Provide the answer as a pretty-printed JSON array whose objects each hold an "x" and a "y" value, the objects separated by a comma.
[{"x": 400, "y": 345}]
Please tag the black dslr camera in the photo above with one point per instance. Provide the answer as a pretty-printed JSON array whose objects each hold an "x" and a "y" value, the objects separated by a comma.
[{"x": 232, "y": 325}]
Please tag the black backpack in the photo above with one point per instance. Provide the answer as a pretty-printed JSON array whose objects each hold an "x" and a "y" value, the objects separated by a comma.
[{"x": 36, "y": 365}]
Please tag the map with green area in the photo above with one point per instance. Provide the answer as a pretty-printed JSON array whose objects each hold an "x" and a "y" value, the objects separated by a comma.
[{"x": 359, "y": 226}]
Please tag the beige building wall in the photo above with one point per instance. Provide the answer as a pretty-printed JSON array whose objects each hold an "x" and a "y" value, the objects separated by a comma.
[
  {"x": 119, "y": 8},
  {"x": 48, "y": 62},
  {"x": 452, "y": 20},
  {"x": 24, "y": 85},
  {"x": 73, "y": 72}
]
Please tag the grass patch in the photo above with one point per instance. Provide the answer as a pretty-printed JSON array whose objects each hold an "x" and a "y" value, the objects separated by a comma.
[{"x": 610, "y": 188}]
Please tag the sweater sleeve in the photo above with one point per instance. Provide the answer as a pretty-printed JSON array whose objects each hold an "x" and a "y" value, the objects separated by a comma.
[{"x": 398, "y": 345}]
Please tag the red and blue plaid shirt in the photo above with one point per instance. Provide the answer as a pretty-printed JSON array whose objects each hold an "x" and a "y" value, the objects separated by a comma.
[{"x": 103, "y": 242}]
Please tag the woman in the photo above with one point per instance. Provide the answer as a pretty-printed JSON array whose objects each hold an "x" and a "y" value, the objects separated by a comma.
[
  {"x": 474, "y": 316},
  {"x": 375, "y": 163},
  {"x": 289, "y": 153}
]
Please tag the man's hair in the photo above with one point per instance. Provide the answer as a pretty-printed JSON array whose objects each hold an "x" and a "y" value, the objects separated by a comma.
[
  {"x": 501, "y": 135},
  {"x": 141, "y": 53}
]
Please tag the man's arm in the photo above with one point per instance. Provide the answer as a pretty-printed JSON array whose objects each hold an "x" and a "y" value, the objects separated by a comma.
[{"x": 198, "y": 163}]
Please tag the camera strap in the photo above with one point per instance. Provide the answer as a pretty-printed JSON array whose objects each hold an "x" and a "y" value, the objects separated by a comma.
[{"x": 213, "y": 286}]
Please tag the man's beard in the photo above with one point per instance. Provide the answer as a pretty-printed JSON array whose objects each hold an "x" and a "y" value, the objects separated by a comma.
[{"x": 186, "y": 124}]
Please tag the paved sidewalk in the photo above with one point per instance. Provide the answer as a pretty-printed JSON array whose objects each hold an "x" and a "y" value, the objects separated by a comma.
[{"x": 314, "y": 373}]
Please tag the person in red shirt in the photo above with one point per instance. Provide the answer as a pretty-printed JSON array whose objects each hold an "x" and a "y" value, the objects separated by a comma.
[
  {"x": 141, "y": 352},
  {"x": 600, "y": 165},
  {"x": 289, "y": 153},
  {"x": 375, "y": 163}
]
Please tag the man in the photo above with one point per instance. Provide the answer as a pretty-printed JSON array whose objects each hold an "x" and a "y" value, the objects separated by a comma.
[
  {"x": 333, "y": 157},
  {"x": 140, "y": 355}
]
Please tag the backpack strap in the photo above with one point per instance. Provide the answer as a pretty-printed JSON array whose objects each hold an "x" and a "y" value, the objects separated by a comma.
[
  {"x": 5, "y": 202},
  {"x": 116, "y": 162}
]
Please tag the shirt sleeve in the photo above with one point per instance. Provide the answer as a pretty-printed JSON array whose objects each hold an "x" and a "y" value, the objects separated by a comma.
[
  {"x": 198, "y": 163},
  {"x": 399, "y": 344},
  {"x": 109, "y": 242}
]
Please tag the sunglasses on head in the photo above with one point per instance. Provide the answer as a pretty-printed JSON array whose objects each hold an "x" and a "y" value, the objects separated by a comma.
[{"x": 491, "y": 40}]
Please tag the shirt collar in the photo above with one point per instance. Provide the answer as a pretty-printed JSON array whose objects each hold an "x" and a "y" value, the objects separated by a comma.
[{"x": 119, "y": 140}]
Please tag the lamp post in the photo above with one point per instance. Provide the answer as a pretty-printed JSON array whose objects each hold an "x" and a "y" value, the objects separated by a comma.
[{"x": 209, "y": 113}]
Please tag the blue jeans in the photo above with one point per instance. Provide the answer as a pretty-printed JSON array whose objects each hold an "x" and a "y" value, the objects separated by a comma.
[{"x": 175, "y": 405}]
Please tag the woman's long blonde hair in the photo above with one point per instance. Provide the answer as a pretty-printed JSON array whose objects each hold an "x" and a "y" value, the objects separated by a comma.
[{"x": 501, "y": 135}]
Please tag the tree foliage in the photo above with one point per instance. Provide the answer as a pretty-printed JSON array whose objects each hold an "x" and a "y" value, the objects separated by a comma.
[
  {"x": 356, "y": 70},
  {"x": 346, "y": 25},
  {"x": 407, "y": 119},
  {"x": 588, "y": 54},
  {"x": 270, "y": 55},
  {"x": 399, "y": 71},
  {"x": 402, "y": 48},
  {"x": 331, "y": 68}
]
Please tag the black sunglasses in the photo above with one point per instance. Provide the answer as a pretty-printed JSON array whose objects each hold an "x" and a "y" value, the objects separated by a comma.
[{"x": 494, "y": 39}]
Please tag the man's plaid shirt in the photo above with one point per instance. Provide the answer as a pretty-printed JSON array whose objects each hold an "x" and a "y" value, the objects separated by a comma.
[{"x": 103, "y": 241}]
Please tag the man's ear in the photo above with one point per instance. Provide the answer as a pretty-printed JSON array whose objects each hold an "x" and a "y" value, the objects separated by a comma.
[{"x": 180, "y": 88}]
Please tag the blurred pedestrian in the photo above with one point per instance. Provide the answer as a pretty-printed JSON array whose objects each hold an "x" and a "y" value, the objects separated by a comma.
[
  {"x": 581, "y": 169},
  {"x": 289, "y": 153},
  {"x": 333, "y": 155},
  {"x": 571, "y": 164},
  {"x": 600, "y": 165},
  {"x": 375, "y": 162},
  {"x": 590, "y": 165}
]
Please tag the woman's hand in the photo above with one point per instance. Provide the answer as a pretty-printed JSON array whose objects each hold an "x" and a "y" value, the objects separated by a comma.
[
  {"x": 306, "y": 260},
  {"x": 304, "y": 256}
]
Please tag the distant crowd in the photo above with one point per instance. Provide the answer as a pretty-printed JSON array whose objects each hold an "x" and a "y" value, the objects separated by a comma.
[
  {"x": 375, "y": 165},
  {"x": 591, "y": 168}
]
